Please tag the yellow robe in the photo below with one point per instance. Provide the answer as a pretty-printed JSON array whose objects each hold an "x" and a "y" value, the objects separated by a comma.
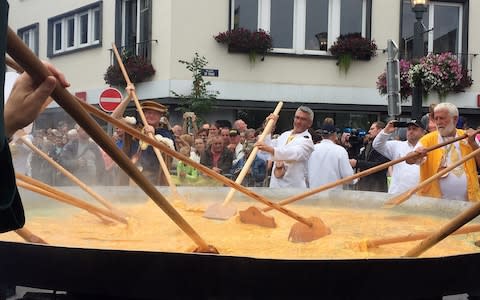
[{"x": 431, "y": 165}]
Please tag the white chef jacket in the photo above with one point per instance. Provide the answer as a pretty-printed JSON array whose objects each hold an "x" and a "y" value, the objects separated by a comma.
[
  {"x": 328, "y": 163},
  {"x": 404, "y": 176},
  {"x": 295, "y": 154}
]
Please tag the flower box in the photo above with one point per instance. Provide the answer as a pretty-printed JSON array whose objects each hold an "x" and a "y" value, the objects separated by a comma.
[
  {"x": 350, "y": 47},
  {"x": 138, "y": 69},
  {"x": 242, "y": 40}
]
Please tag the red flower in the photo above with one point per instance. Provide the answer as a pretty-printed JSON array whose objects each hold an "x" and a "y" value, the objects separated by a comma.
[{"x": 138, "y": 70}]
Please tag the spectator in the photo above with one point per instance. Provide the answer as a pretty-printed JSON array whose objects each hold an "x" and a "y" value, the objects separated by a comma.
[
  {"x": 199, "y": 148},
  {"x": 369, "y": 158},
  {"x": 82, "y": 157},
  {"x": 240, "y": 125},
  {"x": 217, "y": 157},
  {"x": 235, "y": 146},
  {"x": 225, "y": 134}
]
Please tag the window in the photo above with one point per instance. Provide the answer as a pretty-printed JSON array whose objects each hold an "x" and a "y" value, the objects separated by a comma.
[
  {"x": 443, "y": 22},
  {"x": 29, "y": 36},
  {"x": 302, "y": 26},
  {"x": 136, "y": 26},
  {"x": 75, "y": 30}
]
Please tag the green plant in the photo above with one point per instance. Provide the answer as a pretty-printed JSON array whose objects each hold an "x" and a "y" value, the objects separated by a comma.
[
  {"x": 241, "y": 39},
  {"x": 352, "y": 46},
  {"x": 138, "y": 69},
  {"x": 200, "y": 100}
]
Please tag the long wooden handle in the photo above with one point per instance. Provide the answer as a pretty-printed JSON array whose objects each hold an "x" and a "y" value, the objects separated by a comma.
[
  {"x": 163, "y": 165},
  {"x": 362, "y": 174},
  {"x": 33, "y": 66},
  {"x": 406, "y": 195},
  {"x": 49, "y": 191},
  {"x": 414, "y": 237},
  {"x": 251, "y": 158},
  {"x": 446, "y": 230},
  {"x": 101, "y": 115},
  {"x": 70, "y": 176},
  {"x": 28, "y": 236}
]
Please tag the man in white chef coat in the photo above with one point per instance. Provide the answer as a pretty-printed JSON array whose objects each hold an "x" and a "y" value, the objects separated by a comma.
[{"x": 290, "y": 151}]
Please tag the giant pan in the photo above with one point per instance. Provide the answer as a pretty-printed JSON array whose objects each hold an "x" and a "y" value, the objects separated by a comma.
[{"x": 153, "y": 275}]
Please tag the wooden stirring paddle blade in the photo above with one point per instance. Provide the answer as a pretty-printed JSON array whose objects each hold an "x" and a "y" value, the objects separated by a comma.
[
  {"x": 253, "y": 215},
  {"x": 210, "y": 249},
  {"x": 220, "y": 211},
  {"x": 302, "y": 233}
]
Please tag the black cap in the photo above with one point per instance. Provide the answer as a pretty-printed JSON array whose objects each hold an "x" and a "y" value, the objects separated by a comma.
[
  {"x": 416, "y": 123},
  {"x": 327, "y": 129}
]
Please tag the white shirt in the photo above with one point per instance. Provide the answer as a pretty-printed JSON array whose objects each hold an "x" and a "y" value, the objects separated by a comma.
[
  {"x": 295, "y": 154},
  {"x": 20, "y": 156},
  {"x": 328, "y": 162},
  {"x": 238, "y": 153},
  {"x": 404, "y": 176}
]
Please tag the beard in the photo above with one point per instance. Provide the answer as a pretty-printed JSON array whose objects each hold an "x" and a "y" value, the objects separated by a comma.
[{"x": 448, "y": 130}]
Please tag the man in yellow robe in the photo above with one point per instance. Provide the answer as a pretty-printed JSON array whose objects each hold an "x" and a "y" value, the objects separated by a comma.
[{"x": 462, "y": 182}]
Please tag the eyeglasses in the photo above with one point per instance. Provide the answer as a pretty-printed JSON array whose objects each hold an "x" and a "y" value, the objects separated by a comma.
[{"x": 301, "y": 118}]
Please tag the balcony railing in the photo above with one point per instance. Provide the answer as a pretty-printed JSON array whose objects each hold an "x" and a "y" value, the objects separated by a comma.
[{"x": 143, "y": 49}]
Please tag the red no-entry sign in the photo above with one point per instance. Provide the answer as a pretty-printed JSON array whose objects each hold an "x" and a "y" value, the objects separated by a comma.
[{"x": 109, "y": 99}]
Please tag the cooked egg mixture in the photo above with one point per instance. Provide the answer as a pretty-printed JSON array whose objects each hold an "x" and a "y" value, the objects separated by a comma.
[{"x": 152, "y": 230}]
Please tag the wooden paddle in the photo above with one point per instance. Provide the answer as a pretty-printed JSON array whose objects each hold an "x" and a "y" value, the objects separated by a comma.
[
  {"x": 49, "y": 191},
  {"x": 406, "y": 195},
  {"x": 72, "y": 177},
  {"x": 308, "y": 232},
  {"x": 445, "y": 231},
  {"x": 33, "y": 66},
  {"x": 28, "y": 236},
  {"x": 364, "y": 245},
  {"x": 173, "y": 188},
  {"x": 362, "y": 174},
  {"x": 225, "y": 210}
]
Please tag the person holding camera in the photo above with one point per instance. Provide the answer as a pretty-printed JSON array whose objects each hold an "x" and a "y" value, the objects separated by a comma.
[
  {"x": 404, "y": 176},
  {"x": 369, "y": 158}
]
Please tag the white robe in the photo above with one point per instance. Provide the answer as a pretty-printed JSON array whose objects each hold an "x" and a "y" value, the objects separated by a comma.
[
  {"x": 295, "y": 154},
  {"x": 328, "y": 163}
]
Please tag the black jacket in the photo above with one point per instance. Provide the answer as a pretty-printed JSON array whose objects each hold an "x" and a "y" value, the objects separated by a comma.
[{"x": 369, "y": 158}]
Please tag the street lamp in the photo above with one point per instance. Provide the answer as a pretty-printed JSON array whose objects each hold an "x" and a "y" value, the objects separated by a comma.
[{"x": 419, "y": 7}]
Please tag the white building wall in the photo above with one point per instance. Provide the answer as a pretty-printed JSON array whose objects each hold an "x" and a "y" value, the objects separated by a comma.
[{"x": 183, "y": 27}]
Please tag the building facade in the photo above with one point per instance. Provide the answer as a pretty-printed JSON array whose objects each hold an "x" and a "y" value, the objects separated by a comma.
[{"x": 77, "y": 36}]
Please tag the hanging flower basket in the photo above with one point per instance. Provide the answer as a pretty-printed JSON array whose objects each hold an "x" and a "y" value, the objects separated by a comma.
[
  {"x": 138, "y": 69},
  {"x": 243, "y": 40},
  {"x": 441, "y": 73},
  {"x": 405, "y": 88},
  {"x": 352, "y": 46}
]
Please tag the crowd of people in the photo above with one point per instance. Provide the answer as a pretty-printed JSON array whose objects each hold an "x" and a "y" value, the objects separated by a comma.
[{"x": 302, "y": 157}]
